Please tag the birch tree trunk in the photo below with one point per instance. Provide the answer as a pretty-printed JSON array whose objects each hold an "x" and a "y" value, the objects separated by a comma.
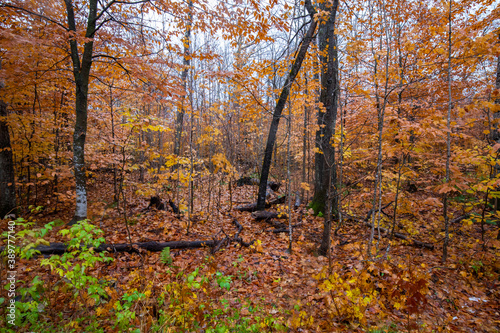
[{"x": 81, "y": 73}]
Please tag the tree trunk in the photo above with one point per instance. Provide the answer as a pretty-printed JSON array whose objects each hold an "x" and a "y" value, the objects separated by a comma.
[
  {"x": 7, "y": 178},
  {"x": 81, "y": 73},
  {"x": 325, "y": 191},
  {"x": 496, "y": 133},
  {"x": 327, "y": 116},
  {"x": 304, "y": 144},
  {"x": 271, "y": 139},
  {"x": 448, "y": 142},
  {"x": 115, "y": 182},
  {"x": 496, "y": 114},
  {"x": 180, "y": 116}
]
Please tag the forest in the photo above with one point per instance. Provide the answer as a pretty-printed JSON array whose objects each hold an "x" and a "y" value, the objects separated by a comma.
[{"x": 250, "y": 166}]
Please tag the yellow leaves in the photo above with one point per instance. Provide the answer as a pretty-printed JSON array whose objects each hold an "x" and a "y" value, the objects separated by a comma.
[
  {"x": 321, "y": 275},
  {"x": 183, "y": 207},
  {"x": 317, "y": 150},
  {"x": 101, "y": 311},
  {"x": 74, "y": 324},
  {"x": 257, "y": 246},
  {"x": 300, "y": 318},
  {"x": 305, "y": 186},
  {"x": 222, "y": 164},
  {"x": 42, "y": 241},
  {"x": 282, "y": 211},
  {"x": 210, "y": 134},
  {"x": 350, "y": 296},
  {"x": 171, "y": 160},
  {"x": 326, "y": 286},
  {"x": 295, "y": 322}
]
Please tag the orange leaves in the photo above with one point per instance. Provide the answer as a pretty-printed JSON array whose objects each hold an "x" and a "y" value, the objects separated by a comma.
[
  {"x": 445, "y": 188},
  {"x": 433, "y": 202},
  {"x": 415, "y": 285},
  {"x": 231, "y": 87}
]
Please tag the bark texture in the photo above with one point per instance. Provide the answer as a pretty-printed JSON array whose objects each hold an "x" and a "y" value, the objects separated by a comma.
[
  {"x": 327, "y": 115},
  {"x": 496, "y": 116},
  {"x": 81, "y": 73},
  {"x": 278, "y": 110},
  {"x": 7, "y": 178},
  {"x": 60, "y": 248},
  {"x": 325, "y": 194}
]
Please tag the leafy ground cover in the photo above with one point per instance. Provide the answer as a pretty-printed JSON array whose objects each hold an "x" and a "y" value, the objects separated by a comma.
[{"x": 261, "y": 288}]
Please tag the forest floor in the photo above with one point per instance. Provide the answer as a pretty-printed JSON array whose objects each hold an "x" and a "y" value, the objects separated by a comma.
[{"x": 403, "y": 288}]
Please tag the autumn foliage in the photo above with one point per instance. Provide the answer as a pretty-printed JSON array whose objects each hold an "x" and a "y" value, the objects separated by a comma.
[{"x": 415, "y": 240}]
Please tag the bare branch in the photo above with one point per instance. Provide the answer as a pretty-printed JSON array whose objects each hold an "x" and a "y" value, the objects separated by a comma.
[{"x": 48, "y": 19}]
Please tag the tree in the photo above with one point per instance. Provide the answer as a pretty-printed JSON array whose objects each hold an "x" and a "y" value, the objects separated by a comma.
[
  {"x": 325, "y": 194},
  {"x": 184, "y": 77},
  {"x": 381, "y": 100},
  {"x": 280, "y": 105},
  {"x": 81, "y": 72},
  {"x": 496, "y": 118},
  {"x": 94, "y": 15},
  {"x": 7, "y": 176},
  {"x": 448, "y": 137}
]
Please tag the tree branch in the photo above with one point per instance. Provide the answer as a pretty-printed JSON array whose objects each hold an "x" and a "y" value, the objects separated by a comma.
[{"x": 48, "y": 19}]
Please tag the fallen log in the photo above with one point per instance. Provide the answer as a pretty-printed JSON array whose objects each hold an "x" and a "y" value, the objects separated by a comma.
[
  {"x": 247, "y": 181},
  {"x": 286, "y": 229},
  {"x": 269, "y": 192},
  {"x": 155, "y": 202},
  {"x": 276, "y": 224},
  {"x": 273, "y": 185},
  {"x": 254, "y": 181},
  {"x": 227, "y": 240},
  {"x": 264, "y": 215},
  {"x": 60, "y": 248},
  {"x": 175, "y": 209},
  {"x": 414, "y": 242},
  {"x": 459, "y": 219},
  {"x": 237, "y": 237},
  {"x": 247, "y": 208},
  {"x": 253, "y": 206},
  {"x": 277, "y": 200}
]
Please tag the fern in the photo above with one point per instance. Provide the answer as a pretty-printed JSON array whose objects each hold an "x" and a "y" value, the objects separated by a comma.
[{"x": 165, "y": 256}]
